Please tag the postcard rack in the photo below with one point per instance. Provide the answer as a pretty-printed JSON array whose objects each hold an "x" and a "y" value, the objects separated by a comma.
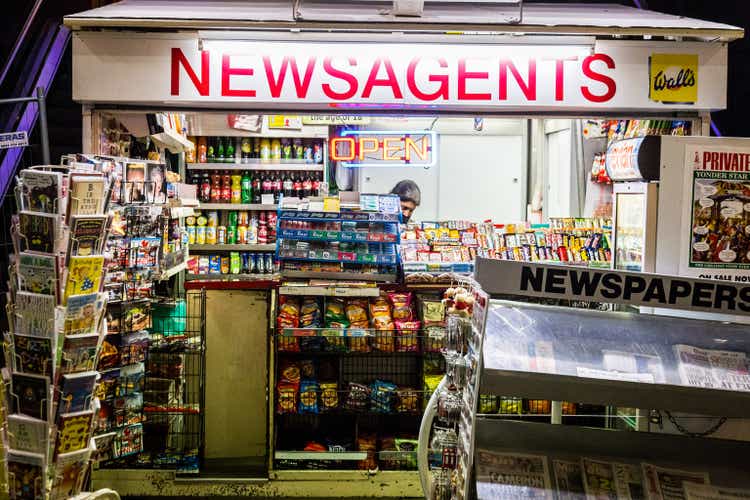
[{"x": 56, "y": 311}]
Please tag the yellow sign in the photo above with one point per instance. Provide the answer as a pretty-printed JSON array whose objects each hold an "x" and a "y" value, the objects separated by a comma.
[
  {"x": 285, "y": 122},
  {"x": 673, "y": 78}
]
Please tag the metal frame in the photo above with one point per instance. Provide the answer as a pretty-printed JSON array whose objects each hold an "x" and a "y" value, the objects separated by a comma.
[
  {"x": 650, "y": 192},
  {"x": 41, "y": 101}
]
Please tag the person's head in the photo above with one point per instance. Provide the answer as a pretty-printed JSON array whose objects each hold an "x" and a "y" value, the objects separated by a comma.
[{"x": 410, "y": 196}]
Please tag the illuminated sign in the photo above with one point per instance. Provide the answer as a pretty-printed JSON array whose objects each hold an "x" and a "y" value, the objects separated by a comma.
[
  {"x": 367, "y": 148},
  {"x": 674, "y": 78}
]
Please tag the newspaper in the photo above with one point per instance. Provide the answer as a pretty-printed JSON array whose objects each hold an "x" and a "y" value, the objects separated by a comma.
[
  {"x": 568, "y": 480},
  {"x": 512, "y": 475},
  {"x": 712, "y": 368},
  {"x": 584, "y": 372},
  {"x": 695, "y": 491},
  {"x": 630, "y": 362},
  {"x": 667, "y": 484},
  {"x": 608, "y": 480}
]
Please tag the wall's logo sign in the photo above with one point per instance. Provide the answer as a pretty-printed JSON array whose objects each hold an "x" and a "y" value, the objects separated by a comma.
[{"x": 673, "y": 78}]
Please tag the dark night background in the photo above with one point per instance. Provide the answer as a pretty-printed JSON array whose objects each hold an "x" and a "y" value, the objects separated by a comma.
[{"x": 65, "y": 118}]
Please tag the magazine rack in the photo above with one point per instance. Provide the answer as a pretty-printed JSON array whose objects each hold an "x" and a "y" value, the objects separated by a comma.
[
  {"x": 54, "y": 339},
  {"x": 625, "y": 360}
]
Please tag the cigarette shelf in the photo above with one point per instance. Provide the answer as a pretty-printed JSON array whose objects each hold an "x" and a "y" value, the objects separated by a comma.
[
  {"x": 231, "y": 277},
  {"x": 341, "y": 275},
  {"x": 259, "y": 247},
  {"x": 236, "y": 206},
  {"x": 343, "y": 257},
  {"x": 341, "y": 236},
  {"x": 254, "y": 164},
  {"x": 299, "y": 215}
]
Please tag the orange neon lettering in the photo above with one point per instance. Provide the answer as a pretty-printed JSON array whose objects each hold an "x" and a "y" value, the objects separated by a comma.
[
  {"x": 363, "y": 146},
  {"x": 388, "y": 149},
  {"x": 334, "y": 149},
  {"x": 412, "y": 144}
]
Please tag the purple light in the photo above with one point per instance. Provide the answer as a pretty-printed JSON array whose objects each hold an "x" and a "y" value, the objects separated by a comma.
[
  {"x": 715, "y": 129},
  {"x": 638, "y": 4}
]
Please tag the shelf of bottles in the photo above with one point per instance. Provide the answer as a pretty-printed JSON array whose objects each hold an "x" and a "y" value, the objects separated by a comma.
[{"x": 326, "y": 244}]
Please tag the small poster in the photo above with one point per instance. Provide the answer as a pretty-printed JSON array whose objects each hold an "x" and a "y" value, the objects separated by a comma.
[{"x": 719, "y": 191}]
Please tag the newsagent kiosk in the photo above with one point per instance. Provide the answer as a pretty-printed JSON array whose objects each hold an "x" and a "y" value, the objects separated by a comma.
[{"x": 489, "y": 109}]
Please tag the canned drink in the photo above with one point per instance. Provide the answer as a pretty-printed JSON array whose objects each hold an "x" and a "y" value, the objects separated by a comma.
[
  {"x": 269, "y": 263},
  {"x": 191, "y": 234},
  {"x": 234, "y": 263},
  {"x": 210, "y": 235},
  {"x": 200, "y": 235},
  {"x": 242, "y": 235},
  {"x": 203, "y": 265},
  {"x": 232, "y": 218},
  {"x": 245, "y": 262},
  {"x": 253, "y": 267},
  {"x": 224, "y": 264},
  {"x": 231, "y": 235},
  {"x": 221, "y": 235},
  {"x": 212, "y": 218},
  {"x": 260, "y": 263},
  {"x": 214, "y": 264}
]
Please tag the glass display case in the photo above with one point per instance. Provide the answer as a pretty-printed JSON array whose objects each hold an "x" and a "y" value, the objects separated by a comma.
[{"x": 635, "y": 209}]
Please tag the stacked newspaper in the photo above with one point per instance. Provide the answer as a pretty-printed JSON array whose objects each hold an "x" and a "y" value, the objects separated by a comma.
[{"x": 712, "y": 368}]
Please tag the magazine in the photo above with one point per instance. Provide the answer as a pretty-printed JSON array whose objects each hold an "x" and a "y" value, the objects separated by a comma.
[
  {"x": 37, "y": 273},
  {"x": 34, "y": 314},
  {"x": 73, "y": 430},
  {"x": 76, "y": 391},
  {"x": 595, "y": 373},
  {"x": 599, "y": 479},
  {"x": 712, "y": 368},
  {"x": 37, "y": 232},
  {"x": 84, "y": 276},
  {"x": 30, "y": 395},
  {"x": 83, "y": 313},
  {"x": 667, "y": 484},
  {"x": 26, "y": 475},
  {"x": 87, "y": 235},
  {"x": 695, "y": 491},
  {"x": 41, "y": 190},
  {"x": 512, "y": 475},
  {"x": 79, "y": 353},
  {"x": 69, "y": 473},
  {"x": 104, "y": 447},
  {"x": 27, "y": 434},
  {"x": 568, "y": 480},
  {"x": 129, "y": 440},
  {"x": 629, "y": 481},
  {"x": 33, "y": 354}
]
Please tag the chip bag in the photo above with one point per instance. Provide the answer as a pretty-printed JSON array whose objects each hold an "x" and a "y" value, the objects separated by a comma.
[
  {"x": 308, "y": 397},
  {"x": 334, "y": 311},
  {"x": 286, "y": 400},
  {"x": 356, "y": 311},
  {"x": 382, "y": 397},
  {"x": 329, "y": 396},
  {"x": 401, "y": 304},
  {"x": 357, "y": 397},
  {"x": 407, "y": 336},
  {"x": 359, "y": 340}
]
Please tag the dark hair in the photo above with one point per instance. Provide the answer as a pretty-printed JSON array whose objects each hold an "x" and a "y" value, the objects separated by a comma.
[{"x": 407, "y": 190}]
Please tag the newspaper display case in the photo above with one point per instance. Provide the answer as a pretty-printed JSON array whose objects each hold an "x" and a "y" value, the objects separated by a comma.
[{"x": 632, "y": 360}]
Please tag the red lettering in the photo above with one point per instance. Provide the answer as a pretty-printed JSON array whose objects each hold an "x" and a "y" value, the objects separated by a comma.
[
  {"x": 227, "y": 71},
  {"x": 389, "y": 81},
  {"x": 528, "y": 88},
  {"x": 202, "y": 85},
  {"x": 463, "y": 75},
  {"x": 342, "y": 75},
  {"x": 441, "y": 92},
  {"x": 598, "y": 77},
  {"x": 560, "y": 77},
  {"x": 300, "y": 84},
  {"x": 715, "y": 161},
  {"x": 706, "y": 159}
]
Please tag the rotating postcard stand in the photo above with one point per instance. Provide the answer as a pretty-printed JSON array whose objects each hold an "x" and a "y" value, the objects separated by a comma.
[
  {"x": 625, "y": 360},
  {"x": 56, "y": 319}
]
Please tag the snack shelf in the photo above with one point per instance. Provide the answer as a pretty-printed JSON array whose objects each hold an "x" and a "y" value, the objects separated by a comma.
[
  {"x": 354, "y": 333},
  {"x": 256, "y": 164},
  {"x": 723, "y": 459},
  {"x": 344, "y": 257},
  {"x": 235, "y": 277},
  {"x": 321, "y": 455},
  {"x": 438, "y": 267},
  {"x": 345, "y": 236},
  {"x": 304, "y": 216},
  {"x": 329, "y": 291},
  {"x": 259, "y": 247},
  {"x": 236, "y": 206},
  {"x": 340, "y": 275}
]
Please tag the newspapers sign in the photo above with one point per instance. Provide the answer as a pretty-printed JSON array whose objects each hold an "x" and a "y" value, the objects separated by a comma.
[
  {"x": 604, "y": 285},
  {"x": 14, "y": 140}
]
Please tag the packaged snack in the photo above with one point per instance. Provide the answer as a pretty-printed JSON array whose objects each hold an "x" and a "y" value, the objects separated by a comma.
[
  {"x": 388, "y": 456},
  {"x": 308, "y": 396},
  {"x": 430, "y": 384},
  {"x": 434, "y": 338},
  {"x": 357, "y": 397},
  {"x": 367, "y": 442},
  {"x": 311, "y": 343},
  {"x": 407, "y": 400},
  {"x": 507, "y": 406},
  {"x": 307, "y": 369},
  {"x": 310, "y": 315},
  {"x": 432, "y": 312},
  {"x": 407, "y": 335},
  {"x": 359, "y": 340},
  {"x": 334, "y": 340},
  {"x": 290, "y": 373},
  {"x": 383, "y": 341},
  {"x": 382, "y": 397},
  {"x": 286, "y": 400},
  {"x": 487, "y": 404},
  {"x": 407, "y": 449},
  {"x": 288, "y": 313},
  {"x": 433, "y": 365},
  {"x": 380, "y": 307},
  {"x": 287, "y": 344},
  {"x": 356, "y": 311},
  {"x": 401, "y": 304},
  {"x": 334, "y": 311},
  {"x": 329, "y": 396}
]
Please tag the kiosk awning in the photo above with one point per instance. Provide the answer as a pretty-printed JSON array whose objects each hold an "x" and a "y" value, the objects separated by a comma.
[{"x": 603, "y": 20}]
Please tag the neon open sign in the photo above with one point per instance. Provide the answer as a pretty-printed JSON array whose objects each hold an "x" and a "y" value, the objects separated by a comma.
[{"x": 389, "y": 148}]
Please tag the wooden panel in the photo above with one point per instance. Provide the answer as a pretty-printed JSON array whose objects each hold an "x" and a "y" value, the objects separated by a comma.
[{"x": 236, "y": 373}]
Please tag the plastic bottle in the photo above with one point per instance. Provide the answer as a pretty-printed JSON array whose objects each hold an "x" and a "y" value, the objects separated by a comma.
[
  {"x": 216, "y": 187},
  {"x": 205, "y": 188},
  {"x": 210, "y": 150},
  {"x": 306, "y": 185},
  {"x": 275, "y": 150},
  {"x": 201, "y": 156},
  {"x": 191, "y": 154},
  {"x": 297, "y": 183},
  {"x": 229, "y": 151},
  {"x": 316, "y": 185},
  {"x": 246, "y": 188},
  {"x": 265, "y": 150},
  {"x": 286, "y": 149},
  {"x": 287, "y": 185},
  {"x": 236, "y": 196},
  {"x": 256, "y": 148},
  {"x": 226, "y": 187},
  {"x": 278, "y": 186},
  {"x": 247, "y": 150},
  {"x": 257, "y": 187},
  {"x": 219, "y": 150}
]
